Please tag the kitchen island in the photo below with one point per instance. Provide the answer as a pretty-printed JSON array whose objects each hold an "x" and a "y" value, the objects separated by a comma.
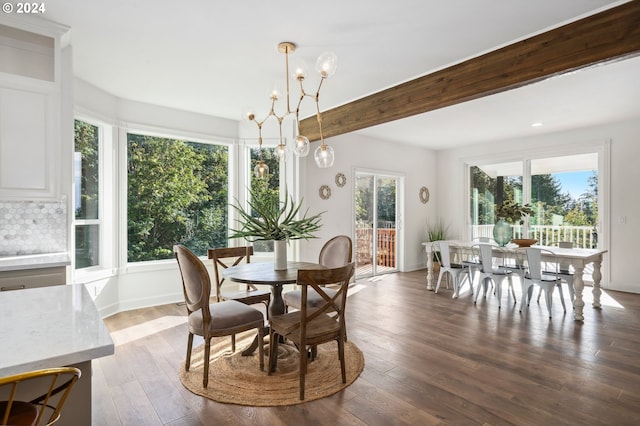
[{"x": 54, "y": 326}]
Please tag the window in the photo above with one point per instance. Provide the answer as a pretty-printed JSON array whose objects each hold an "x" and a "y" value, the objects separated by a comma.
[
  {"x": 177, "y": 193},
  {"x": 270, "y": 186},
  {"x": 86, "y": 165},
  {"x": 562, "y": 191}
]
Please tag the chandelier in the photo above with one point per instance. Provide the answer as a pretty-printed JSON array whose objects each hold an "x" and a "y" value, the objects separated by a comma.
[{"x": 323, "y": 155}]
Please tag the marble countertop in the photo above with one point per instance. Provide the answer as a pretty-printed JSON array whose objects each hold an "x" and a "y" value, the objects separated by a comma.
[
  {"x": 50, "y": 327},
  {"x": 33, "y": 261}
]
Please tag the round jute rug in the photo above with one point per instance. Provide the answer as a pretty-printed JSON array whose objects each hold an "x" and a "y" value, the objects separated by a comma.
[{"x": 237, "y": 379}]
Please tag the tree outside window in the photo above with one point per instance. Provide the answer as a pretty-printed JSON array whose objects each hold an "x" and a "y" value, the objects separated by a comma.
[
  {"x": 87, "y": 193},
  {"x": 269, "y": 187},
  {"x": 177, "y": 194}
]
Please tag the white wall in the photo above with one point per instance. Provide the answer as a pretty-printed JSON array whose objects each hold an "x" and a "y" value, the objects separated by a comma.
[
  {"x": 352, "y": 151},
  {"x": 618, "y": 273}
]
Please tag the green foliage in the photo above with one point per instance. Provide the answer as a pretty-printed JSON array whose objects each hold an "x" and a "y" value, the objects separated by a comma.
[
  {"x": 437, "y": 231},
  {"x": 86, "y": 143},
  {"x": 386, "y": 205},
  {"x": 266, "y": 220},
  {"x": 547, "y": 198},
  {"x": 177, "y": 193},
  {"x": 513, "y": 212}
]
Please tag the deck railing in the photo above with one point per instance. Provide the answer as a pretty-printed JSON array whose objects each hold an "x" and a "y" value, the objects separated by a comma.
[
  {"x": 386, "y": 247},
  {"x": 548, "y": 235}
]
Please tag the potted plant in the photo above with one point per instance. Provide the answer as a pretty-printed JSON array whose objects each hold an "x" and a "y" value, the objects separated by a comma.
[
  {"x": 436, "y": 231},
  {"x": 508, "y": 213},
  {"x": 268, "y": 219},
  {"x": 513, "y": 212}
]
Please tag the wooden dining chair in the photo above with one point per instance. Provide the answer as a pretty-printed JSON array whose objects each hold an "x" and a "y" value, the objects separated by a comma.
[
  {"x": 227, "y": 257},
  {"x": 36, "y": 397},
  {"x": 309, "y": 326},
  {"x": 338, "y": 251},
  {"x": 226, "y": 318}
]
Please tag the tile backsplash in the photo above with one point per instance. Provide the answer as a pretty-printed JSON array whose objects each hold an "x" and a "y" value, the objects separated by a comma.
[{"x": 32, "y": 227}]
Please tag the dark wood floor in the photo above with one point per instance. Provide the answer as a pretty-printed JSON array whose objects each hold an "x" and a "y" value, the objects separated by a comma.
[{"x": 428, "y": 360}]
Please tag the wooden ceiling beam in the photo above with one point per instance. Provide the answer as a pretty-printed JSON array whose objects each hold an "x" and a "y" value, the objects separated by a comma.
[{"x": 611, "y": 35}]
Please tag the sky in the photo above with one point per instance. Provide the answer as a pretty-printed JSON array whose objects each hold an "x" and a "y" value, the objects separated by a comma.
[{"x": 576, "y": 183}]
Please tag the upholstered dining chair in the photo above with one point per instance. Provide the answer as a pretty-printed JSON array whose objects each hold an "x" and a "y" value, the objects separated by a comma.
[
  {"x": 225, "y": 318},
  {"x": 562, "y": 270},
  {"x": 42, "y": 394},
  {"x": 312, "y": 326},
  {"x": 338, "y": 251},
  {"x": 535, "y": 275},
  {"x": 488, "y": 272},
  {"x": 455, "y": 270},
  {"x": 231, "y": 256}
]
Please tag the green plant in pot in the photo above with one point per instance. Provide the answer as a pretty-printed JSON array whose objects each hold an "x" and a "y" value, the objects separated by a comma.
[
  {"x": 507, "y": 214},
  {"x": 436, "y": 231},
  {"x": 268, "y": 219}
]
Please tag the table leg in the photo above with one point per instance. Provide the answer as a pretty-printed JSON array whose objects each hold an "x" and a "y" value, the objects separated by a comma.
[
  {"x": 578, "y": 285},
  {"x": 429, "y": 269},
  {"x": 276, "y": 307},
  {"x": 597, "y": 276}
]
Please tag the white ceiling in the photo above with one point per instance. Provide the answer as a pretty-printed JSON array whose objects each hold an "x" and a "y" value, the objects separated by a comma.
[{"x": 219, "y": 58}]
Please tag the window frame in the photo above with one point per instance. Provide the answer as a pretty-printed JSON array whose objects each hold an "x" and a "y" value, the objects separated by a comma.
[
  {"x": 105, "y": 198},
  {"x": 601, "y": 148},
  {"x": 155, "y": 131}
]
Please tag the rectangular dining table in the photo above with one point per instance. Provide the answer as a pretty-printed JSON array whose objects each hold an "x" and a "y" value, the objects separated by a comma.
[{"x": 576, "y": 257}]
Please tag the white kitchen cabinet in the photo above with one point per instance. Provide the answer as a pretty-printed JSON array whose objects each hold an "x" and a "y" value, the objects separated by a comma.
[{"x": 34, "y": 109}]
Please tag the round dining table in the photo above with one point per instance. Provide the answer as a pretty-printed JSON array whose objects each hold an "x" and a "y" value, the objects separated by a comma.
[{"x": 262, "y": 273}]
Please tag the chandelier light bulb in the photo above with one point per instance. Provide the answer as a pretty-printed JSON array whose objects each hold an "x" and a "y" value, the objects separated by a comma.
[
  {"x": 302, "y": 146},
  {"x": 248, "y": 114},
  {"x": 261, "y": 170},
  {"x": 326, "y": 64},
  {"x": 324, "y": 156},
  {"x": 300, "y": 70},
  {"x": 281, "y": 151}
]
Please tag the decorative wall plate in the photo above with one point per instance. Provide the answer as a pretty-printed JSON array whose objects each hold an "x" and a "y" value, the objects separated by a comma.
[
  {"x": 341, "y": 180},
  {"x": 325, "y": 192},
  {"x": 424, "y": 195}
]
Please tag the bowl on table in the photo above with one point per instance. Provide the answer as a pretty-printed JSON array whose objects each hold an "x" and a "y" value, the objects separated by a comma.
[{"x": 524, "y": 242}]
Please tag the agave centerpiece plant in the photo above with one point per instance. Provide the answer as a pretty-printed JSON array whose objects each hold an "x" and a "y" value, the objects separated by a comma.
[{"x": 268, "y": 219}]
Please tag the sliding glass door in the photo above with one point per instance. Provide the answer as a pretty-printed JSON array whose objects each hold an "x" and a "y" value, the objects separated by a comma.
[{"x": 375, "y": 223}]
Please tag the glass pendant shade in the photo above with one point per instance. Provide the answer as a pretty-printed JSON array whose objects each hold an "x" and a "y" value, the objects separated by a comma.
[
  {"x": 324, "y": 156},
  {"x": 326, "y": 64},
  {"x": 261, "y": 170},
  {"x": 281, "y": 151},
  {"x": 302, "y": 146}
]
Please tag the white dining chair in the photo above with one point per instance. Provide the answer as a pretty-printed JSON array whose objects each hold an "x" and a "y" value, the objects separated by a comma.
[
  {"x": 535, "y": 276},
  {"x": 488, "y": 272},
  {"x": 455, "y": 270},
  {"x": 563, "y": 271}
]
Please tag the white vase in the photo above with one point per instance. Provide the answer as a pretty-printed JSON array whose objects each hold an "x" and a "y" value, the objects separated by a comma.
[{"x": 280, "y": 255}]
